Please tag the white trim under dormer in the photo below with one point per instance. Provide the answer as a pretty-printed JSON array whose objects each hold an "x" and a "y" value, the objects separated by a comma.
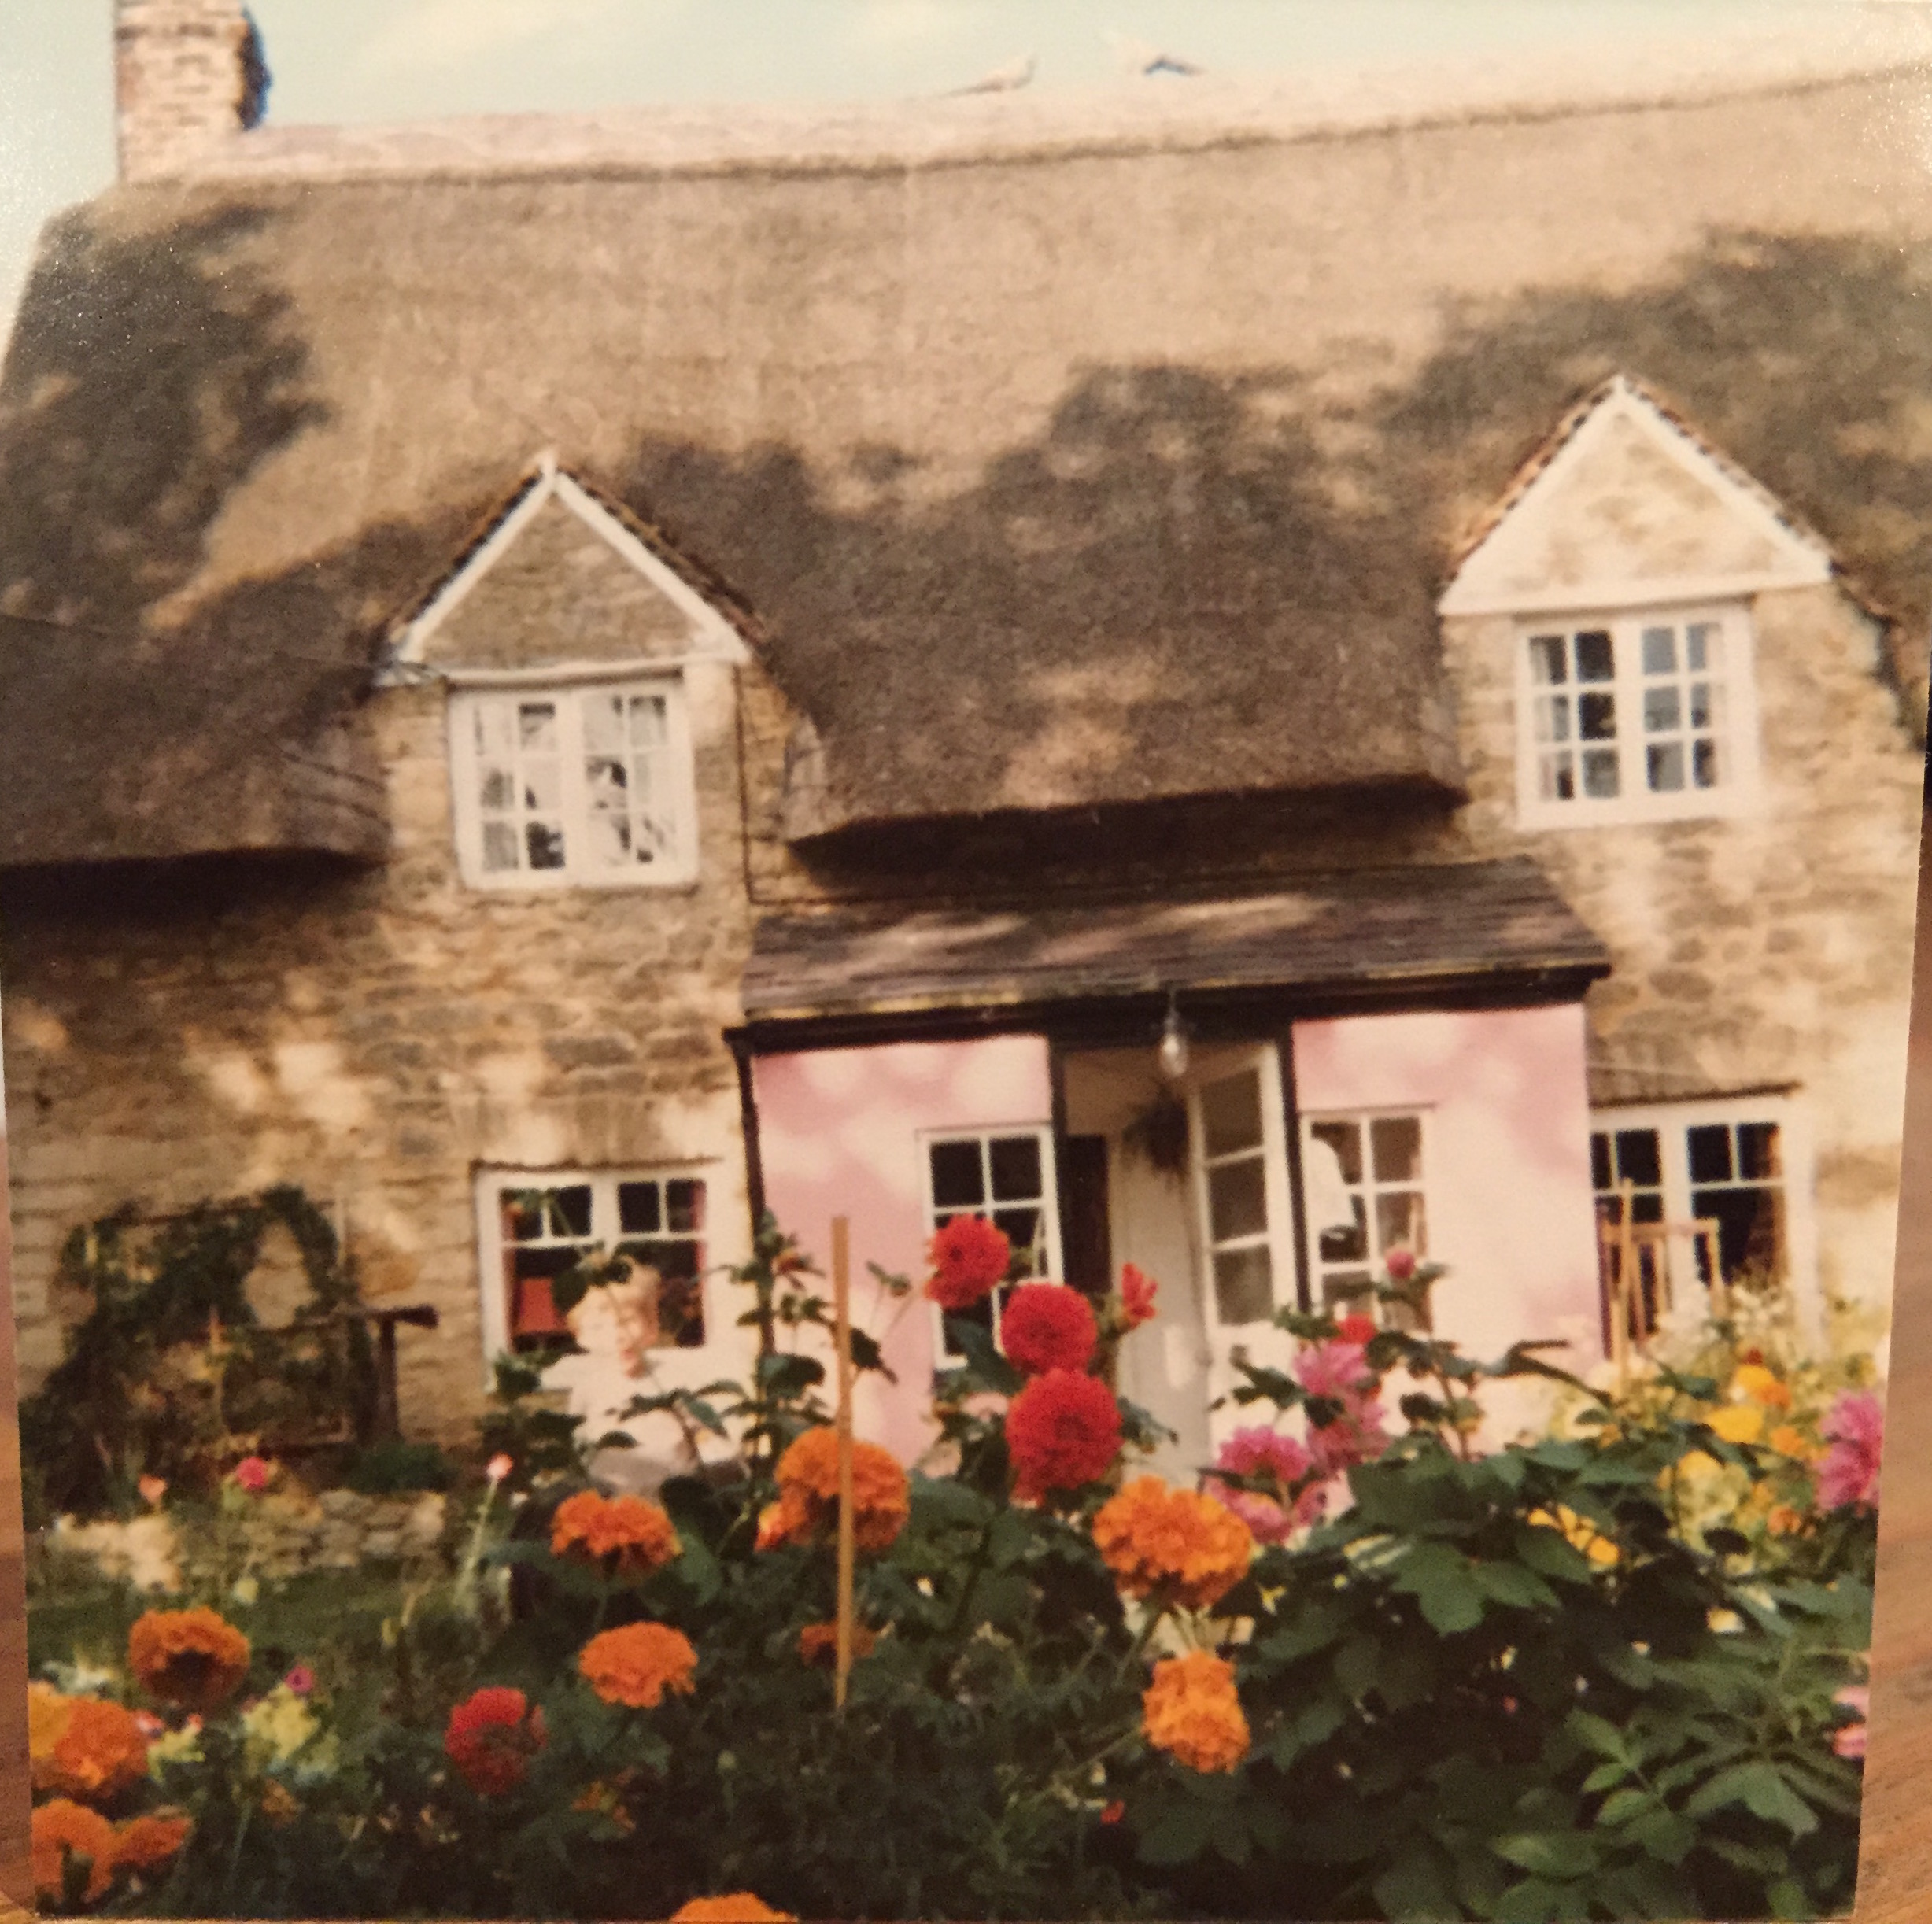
[
  {"x": 713, "y": 638},
  {"x": 1800, "y": 560}
]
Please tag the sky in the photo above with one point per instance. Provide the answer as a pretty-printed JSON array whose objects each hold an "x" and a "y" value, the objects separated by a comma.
[{"x": 340, "y": 60}]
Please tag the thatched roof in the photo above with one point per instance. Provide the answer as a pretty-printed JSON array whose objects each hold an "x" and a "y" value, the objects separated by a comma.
[{"x": 1058, "y": 468}]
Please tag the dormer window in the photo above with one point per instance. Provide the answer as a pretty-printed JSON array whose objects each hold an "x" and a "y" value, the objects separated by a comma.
[
  {"x": 1638, "y": 717},
  {"x": 562, "y": 786}
]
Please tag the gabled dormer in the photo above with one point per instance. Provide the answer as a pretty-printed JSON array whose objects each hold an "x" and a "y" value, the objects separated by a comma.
[
  {"x": 569, "y": 645},
  {"x": 1623, "y": 563}
]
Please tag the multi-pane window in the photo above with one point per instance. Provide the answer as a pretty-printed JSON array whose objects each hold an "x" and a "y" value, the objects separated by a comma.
[
  {"x": 543, "y": 1225},
  {"x": 579, "y": 786},
  {"x": 1367, "y": 1195},
  {"x": 1715, "y": 1181},
  {"x": 1634, "y": 717},
  {"x": 1234, "y": 1176},
  {"x": 1007, "y": 1175}
]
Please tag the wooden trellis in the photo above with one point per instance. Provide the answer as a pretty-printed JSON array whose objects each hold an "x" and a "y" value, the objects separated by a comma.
[{"x": 1628, "y": 1251}]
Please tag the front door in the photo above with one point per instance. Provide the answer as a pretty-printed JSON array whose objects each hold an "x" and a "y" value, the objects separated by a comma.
[{"x": 1238, "y": 1119}]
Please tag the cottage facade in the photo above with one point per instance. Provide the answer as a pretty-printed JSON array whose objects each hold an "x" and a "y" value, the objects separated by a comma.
[{"x": 1241, "y": 686}]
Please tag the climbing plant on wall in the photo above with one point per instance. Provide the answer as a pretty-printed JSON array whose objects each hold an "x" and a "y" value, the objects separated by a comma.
[{"x": 171, "y": 1373}]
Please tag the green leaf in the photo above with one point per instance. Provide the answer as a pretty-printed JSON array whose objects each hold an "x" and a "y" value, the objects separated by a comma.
[
  {"x": 1536, "y": 1902},
  {"x": 1565, "y": 1854},
  {"x": 781, "y": 1373},
  {"x": 1597, "y": 1734},
  {"x": 1511, "y": 1584},
  {"x": 1444, "y": 1582},
  {"x": 1357, "y": 1665},
  {"x": 1415, "y": 1887},
  {"x": 974, "y": 1342},
  {"x": 1551, "y": 1554},
  {"x": 1178, "y": 1834},
  {"x": 1762, "y": 1790}
]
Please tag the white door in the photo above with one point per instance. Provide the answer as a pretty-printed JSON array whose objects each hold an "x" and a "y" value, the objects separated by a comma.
[{"x": 1238, "y": 1119}]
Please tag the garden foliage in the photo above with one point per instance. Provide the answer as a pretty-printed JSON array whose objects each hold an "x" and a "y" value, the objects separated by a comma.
[{"x": 1374, "y": 1667}]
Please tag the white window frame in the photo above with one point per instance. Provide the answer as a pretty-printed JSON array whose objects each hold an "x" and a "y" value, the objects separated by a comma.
[
  {"x": 1674, "y": 1121},
  {"x": 1423, "y": 1115},
  {"x": 603, "y": 1184},
  {"x": 1055, "y": 1269},
  {"x": 1738, "y": 790},
  {"x": 1277, "y": 1233},
  {"x": 677, "y": 870}
]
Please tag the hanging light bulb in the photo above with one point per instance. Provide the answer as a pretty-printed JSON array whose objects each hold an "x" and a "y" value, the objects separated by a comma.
[{"x": 1171, "y": 1057}]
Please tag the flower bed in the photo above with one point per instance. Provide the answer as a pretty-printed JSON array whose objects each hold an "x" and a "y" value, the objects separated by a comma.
[{"x": 1365, "y": 1670}]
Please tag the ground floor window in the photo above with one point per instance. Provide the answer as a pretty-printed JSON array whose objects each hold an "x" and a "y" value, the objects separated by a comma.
[
  {"x": 1007, "y": 1175},
  {"x": 1707, "y": 1189},
  {"x": 539, "y": 1224},
  {"x": 1365, "y": 1189}
]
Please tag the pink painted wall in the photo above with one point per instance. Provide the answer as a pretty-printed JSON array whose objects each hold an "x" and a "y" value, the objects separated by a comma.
[
  {"x": 838, "y": 1132},
  {"x": 1507, "y": 1169}
]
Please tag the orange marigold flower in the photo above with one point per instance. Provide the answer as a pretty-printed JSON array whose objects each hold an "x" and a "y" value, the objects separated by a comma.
[
  {"x": 636, "y": 1664},
  {"x": 1048, "y": 1326},
  {"x": 1782, "y": 1520},
  {"x": 1063, "y": 1430},
  {"x": 970, "y": 1257},
  {"x": 739, "y": 1908},
  {"x": 1193, "y": 1712},
  {"x": 64, "y": 1829},
  {"x": 491, "y": 1737},
  {"x": 818, "y": 1643},
  {"x": 628, "y": 1535},
  {"x": 1788, "y": 1440},
  {"x": 1137, "y": 1293},
  {"x": 155, "y": 1838},
  {"x": 1189, "y": 1548},
  {"x": 47, "y": 1713},
  {"x": 189, "y": 1657},
  {"x": 99, "y": 1753},
  {"x": 808, "y": 1492}
]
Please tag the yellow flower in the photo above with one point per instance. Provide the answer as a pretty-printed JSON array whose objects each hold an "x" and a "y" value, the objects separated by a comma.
[
  {"x": 47, "y": 1715},
  {"x": 1581, "y": 1535},
  {"x": 1696, "y": 1464},
  {"x": 277, "y": 1726},
  {"x": 1739, "y": 1422},
  {"x": 1758, "y": 1384}
]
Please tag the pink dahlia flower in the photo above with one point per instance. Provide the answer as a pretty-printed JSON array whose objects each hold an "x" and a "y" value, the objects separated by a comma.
[
  {"x": 1264, "y": 1454},
  {"x": 1848, "y": 1472}
]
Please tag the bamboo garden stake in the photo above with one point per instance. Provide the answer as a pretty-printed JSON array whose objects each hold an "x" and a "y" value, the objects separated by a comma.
[{"x": 842, "y": 1329}]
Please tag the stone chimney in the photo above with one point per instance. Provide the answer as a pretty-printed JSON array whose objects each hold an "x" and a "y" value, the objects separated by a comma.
[{"x": 189, "y": 76}]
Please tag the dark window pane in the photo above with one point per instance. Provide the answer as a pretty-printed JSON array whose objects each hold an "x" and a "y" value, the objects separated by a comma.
[
  {"x": 1237, "y": 1203},
  {"x": 1596, "y": 717},
  {"x": 1750, "y": 1230},
  {"x": 1646, "y": 1206},
  {"x": 1243, "y": 1285},
  {"x": 639, "y": 1212},
  {"x": 685, "y": 1202},
  {"x": 1231, "y": 1113},
  {"x": 1345, "y": 1139},
  {"x": 1600, "y": 1177},
  {"x": 1660, "y": 651},
  {"x": 569, "y": 1212},
  {"x": 545, "y": 844},
  {"x": 1395, "y": 1143},
  {"x": 957, "y": 1180},
  {"x": 1639, "y": 1159},
  {"x": 1016, "y": 1168},
  {"x": 980, "y": 1313},
  {"x": 1662, "y": 711},
  {"x": 1349, "y": 1289},
  {"x": 1704, "y": 762},
  {"x": 1710, "y": 1153},
  {"x": 1398, "y": 1222},
  {"x": 1758, "y": 1158},
  {"x": 1665, "y": 767},
  {"x": 1546, "y": 660},
  {"x": 1602, "y": 777},
  {"x": 1347, "y": 1246},
  {"x": 1021, "y": 1228},
  {"x": 1594, "y": 661}
]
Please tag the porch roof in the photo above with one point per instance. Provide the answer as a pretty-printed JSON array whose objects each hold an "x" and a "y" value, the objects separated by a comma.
[{"x": 1382, "y": 936}]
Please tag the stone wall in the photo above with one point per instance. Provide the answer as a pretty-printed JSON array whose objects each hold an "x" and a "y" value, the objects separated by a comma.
[
  {"x": 1769, "y": 950},
  {"x": 377, "y": 1037}
]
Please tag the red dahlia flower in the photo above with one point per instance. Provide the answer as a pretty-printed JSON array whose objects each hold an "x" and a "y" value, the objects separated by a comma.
[
  {"x": 1357, "y": 1329},
  {"x": 1063, "y": 1430},
  {"x": 1048, "y": 1326},
  {"x": 970, "y": 1257},
  {"x": 1137, "y": 1291},
  {"x": 491, "y": 1739}
]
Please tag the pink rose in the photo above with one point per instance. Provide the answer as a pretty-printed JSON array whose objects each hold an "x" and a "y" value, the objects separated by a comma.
[
  {"x": 1401, "y": 1264},
  {"x": 1849, "y": 1739},
  {"x": 252, "y": 1473},
  {"x": 1848, "y": 1473},
  {"x": 300, "y": 1680}
]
